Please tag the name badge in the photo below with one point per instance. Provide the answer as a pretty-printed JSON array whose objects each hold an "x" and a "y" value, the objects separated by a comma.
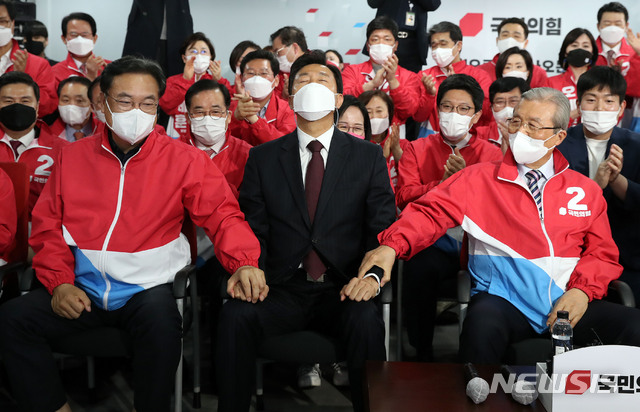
[{"x": 410, "y": 19}]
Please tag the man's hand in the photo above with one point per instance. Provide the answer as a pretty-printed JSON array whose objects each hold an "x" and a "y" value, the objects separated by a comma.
[
  {"x": 429, "y": 84},
  {"x": 20, "y": 60},
  {"x": 69, "y": 301},
  {"x": 94, "y": 65},
  {"x": 383, "y": 256},
  {"x": 248, "y": 283},
  {"x": 390, "y": 67},
  {"x": 239, "y": 85},
  {"x": 188, "y": 71},
  {"x": 247, "y": 109},
  {"x": 454, "y": 164},
  {"x": 376, "y": 82},
  {"x": 216, "y": 69},
  {"x": 614, "y": 161},
  {"x": 285, "y": 86},
  {"x": 603, "y": 174},
  {"x": 633, "y": 40},
  {"x": 574, "y": 301},
  {"x": 360, "y": 289}
]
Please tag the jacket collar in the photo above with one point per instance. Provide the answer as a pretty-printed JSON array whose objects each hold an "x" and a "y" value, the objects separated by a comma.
[{"x": 508, "y": 169}]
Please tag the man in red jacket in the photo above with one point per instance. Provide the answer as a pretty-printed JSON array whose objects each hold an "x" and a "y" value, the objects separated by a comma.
[
  {"x": 425, "y": 164},
  {"x": 76, "y": 120},
  {"x": 24, "y": 139},
  {"x": 513, "y": 32},
  {"x": 12, "y": 58},
  {"x": 259, "y": 114},
  {"x": 8, "y": 216},
  {"x": 382, "y": 71},
  {"x": 107, "y": 240},
  {"x": 79, "y": 34}
]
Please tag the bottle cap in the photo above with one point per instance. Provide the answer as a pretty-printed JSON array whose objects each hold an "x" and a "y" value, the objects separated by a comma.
[{"x": 563, "y": 314}]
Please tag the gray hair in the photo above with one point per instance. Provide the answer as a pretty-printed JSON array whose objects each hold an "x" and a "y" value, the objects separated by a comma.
[{"x": 562, "y": 115}]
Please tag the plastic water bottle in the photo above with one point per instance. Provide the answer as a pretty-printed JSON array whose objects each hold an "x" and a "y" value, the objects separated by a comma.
[{"x": 562, "y": 333}]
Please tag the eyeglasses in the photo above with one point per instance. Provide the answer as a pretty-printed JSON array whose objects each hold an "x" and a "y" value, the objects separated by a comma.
[
  {"x": 263, "y": 73},
  {"x": 214, "y": 114},
  {"x": 502, "y": 103},
  {"x": 196, "y": 51},
  {"x": 5, "y": 22},
  {"x": 280, "y": 49},
  {"x": 127, "y": 104},
  {"x": 73, "y": 34},
  {"x": 343, "y": 127},
  {"x": 514, "y": 124},
  {"x": 462, "y": 109}
]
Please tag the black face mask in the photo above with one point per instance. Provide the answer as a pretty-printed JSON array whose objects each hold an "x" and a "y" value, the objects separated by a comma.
[
  {"x": 579, "y": 57},
  {"x": 34, "y": 47},
  {"x": 17, "y": 117}
]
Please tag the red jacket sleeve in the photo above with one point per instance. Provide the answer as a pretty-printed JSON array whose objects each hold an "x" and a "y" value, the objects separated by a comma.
[
  {"x": 352, "y": 81},
  {"x": 406, "y": 95},
  {"x": 8, "y": 214},
  {"x": 410, "y": 185},
  {"x": 40, "y": 71},
  {"x": 173, "y": 96},
  {"x": 263, "y": 131},
  {"x": 633, "y": 77},
  {"x": 425, "y": 106}
]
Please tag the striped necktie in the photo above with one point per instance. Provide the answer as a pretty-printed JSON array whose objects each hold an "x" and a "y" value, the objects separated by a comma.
[{"x": 533, "y": 176}]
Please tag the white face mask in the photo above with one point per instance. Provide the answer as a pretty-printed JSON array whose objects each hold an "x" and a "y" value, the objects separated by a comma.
[
  {"x": 599, "y": 122},
  {"x": 454, "y": 126},
  {"x": 258, "y": 87},
  {"x": 285, "y": 64},
  {"x": 72, "y": 114},
  {"x": 80, "y": 46},
  {"x": 443, "y": 56},
  {"x": 209, "y": 131},
  {"x": 379, "y": 126},
  {"x": 612, "y": 34},
  {"x": 131, "y": 126},
  {"x": 380, "y": 52},
  {"x": 5, "y": 36},
  {"x": 100, "y": 115},
  {"x": 201, "y": 63},
  {"x": 527, "y": 150},
  {"x": 515, "y": 73},
  {"x": 509, "y": 42},
  {"x": 314, "y": 101}
]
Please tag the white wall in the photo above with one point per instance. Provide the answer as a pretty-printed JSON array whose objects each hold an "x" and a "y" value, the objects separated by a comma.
[{"x": 227, "y": 22}]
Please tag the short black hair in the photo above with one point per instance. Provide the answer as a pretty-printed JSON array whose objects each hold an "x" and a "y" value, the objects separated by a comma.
[
  {"x": 289, "y": 35},
  {"x": 599, "y": 77},
  {"x": 504, "y": 57},
  {"x": 131, "y": 64},
  {"x": 514, "y": 20},
  {"x": 196, "y": 37},
  {"x": 570, "y": 38},
  {"x": 462, "y": 82},
  {"x": 613, "y": 7},
  {"x": 314, "y": 58},
  {"x": 75, "y": 79},
  {"x": 35, "y": 28},
  {"x": 382, "y": 23},
  {"x": 11, "y": 8},
  {"x": 203, "y": 85},
  {"x": 340, "y": 59},
  {"x": 446, "y": 27},
  {"x": 366, "y": 97},
  {"x": 95, "y": 83},
  {"x": 20, "y": 77},
  {"x": 506, "y": 84},
  {"x": 79, "y": 16},
  {"x": 261, "y": 54},
  {"x": 236, "y": 53},
  {"x": 350, "y": 101}
]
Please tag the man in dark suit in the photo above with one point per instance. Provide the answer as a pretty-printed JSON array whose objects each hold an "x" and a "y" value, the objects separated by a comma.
[
  {"x": 316, "y": 199},
  {"x": 609, "y": 155}
]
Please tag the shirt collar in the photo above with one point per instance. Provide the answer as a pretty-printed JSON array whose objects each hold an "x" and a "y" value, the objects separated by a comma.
[
  {"x": 325, "y": 138},
  {"x": 77, "y": 62},
  {"x": 546, "y": 169},
  {"x": 462, "y": 143},
  {"x": 616, "y": 49},
  {"x": 122, "y": 156},
  {"x": 217, "y": 148},
  {"x": 87, "y": 129},
  {"x": 26, "y": 140}
]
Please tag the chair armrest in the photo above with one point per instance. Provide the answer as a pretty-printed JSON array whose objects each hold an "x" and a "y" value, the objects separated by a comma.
[
  {"x": 25, "y": 282},
  {"x": 10, "y": 268},
  {"x": 464, "y": 286},
  {"x": 386, "y": 294},
  {"x": 181, "y": 281},
  {"x": 624, "y": 293}
]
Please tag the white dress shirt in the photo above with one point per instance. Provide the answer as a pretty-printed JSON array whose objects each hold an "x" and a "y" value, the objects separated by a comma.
[
  {"x": 596, "y": 150},
  {"x": 5, "y": 62},
  {"x": 305, "y": 154},
  {"x": 26, "y": 140},
  {"x": 546, "y": 170}
]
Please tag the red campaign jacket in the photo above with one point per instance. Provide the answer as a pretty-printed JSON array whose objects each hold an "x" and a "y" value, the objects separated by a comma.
[
  {"x": 68, "y": 68},
  {"x": 629, "y": 63},
  {"x": 422, "y": 164},
  {"x": 8, "y": 216},
  {"x": 392, "y": 164},
  {"x": 404, "y": 96},
  {"x": 568, "y": 86},
  {"x": 115, "y": 230},
  {"x": 230, "y": 160},
  {"x": 427, "y": 109},
  {"x": 279, "y": 120},
  {"x": 539, "y": 78},
  {"x": 59, "y": 128},
  {"x": 40, "y": 158},
  {"x": 40, "y": 71},
  {"x": 515, "y": 253}
]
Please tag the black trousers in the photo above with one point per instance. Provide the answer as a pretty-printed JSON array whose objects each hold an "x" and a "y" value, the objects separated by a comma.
[
  {"x": 150, "y": 317},
  {"x": 492, "y": 324},
  {"x": 296, "y": 305},
  {"x": 423, "y": 276}
]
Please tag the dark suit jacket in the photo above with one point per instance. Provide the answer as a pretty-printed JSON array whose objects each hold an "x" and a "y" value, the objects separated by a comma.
[
  {"x": 356, "y": 203},
  {"x": 624, "y": 215}
]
